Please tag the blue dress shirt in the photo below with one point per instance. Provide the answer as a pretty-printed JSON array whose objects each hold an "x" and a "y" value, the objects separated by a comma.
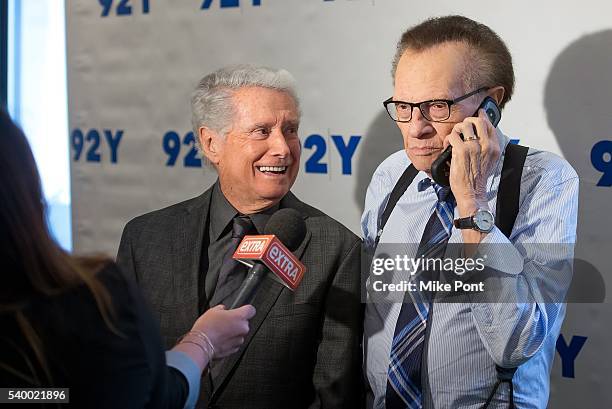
[{"x": 467, "y": 339}]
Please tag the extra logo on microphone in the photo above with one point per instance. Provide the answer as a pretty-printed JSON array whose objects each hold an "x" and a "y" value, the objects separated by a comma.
[{"x": 269, "y": 250}]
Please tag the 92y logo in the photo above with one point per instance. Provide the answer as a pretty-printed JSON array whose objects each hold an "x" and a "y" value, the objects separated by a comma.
[{"x": 227, "y": 3}]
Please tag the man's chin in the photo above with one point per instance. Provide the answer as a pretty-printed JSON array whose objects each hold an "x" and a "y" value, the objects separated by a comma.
[{"x": 272, "y": 194}]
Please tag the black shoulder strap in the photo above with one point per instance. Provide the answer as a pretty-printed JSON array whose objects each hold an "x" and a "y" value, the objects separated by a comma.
[
  {"x": 505, "y": 215},
  {"x": 509, "y": 188},
  {"x": 398, "y": 190}
]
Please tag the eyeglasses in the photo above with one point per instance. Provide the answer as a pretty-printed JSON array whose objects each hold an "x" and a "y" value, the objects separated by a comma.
[{"x": 435, "y": 110}]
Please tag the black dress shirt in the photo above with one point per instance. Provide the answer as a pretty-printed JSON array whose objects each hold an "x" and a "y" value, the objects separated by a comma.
[{"x": 217, "y": 242}]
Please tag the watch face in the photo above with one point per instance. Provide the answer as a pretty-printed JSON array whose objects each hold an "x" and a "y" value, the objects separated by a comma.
[{"x": 483, "y": 220}]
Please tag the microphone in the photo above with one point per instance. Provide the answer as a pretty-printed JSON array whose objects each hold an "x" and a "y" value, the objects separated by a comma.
[{"x": 267, "y": 252}]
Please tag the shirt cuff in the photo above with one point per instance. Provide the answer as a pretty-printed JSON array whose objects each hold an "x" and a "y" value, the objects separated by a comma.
[
  {"x": 185, "y": 365},
  {"x": 500, "y": 254}
]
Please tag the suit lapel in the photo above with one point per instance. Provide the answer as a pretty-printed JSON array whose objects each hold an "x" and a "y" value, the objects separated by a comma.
[{"x": 264, "y": 300}]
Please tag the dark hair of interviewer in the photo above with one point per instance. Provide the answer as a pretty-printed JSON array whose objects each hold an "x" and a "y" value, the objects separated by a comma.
[
  {"x": 32, "y": 265},
  {"x": 491, "y": 60}
]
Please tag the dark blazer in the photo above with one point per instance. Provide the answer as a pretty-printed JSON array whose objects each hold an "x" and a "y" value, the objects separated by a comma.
[{"x": 303, "y": 348}]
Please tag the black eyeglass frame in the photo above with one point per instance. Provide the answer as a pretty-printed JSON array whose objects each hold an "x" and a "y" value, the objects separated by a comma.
[{"x": 449, "y": 102}]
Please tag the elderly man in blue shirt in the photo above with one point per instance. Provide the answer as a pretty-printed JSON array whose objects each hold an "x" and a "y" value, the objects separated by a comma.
[{"x": 422, "y": 353}]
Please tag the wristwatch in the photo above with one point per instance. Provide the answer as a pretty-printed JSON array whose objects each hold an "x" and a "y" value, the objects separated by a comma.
[{"x": 482, "y": 221}]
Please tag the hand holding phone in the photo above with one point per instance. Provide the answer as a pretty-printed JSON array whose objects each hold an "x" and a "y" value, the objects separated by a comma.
[{"x": 440, "y": 168}]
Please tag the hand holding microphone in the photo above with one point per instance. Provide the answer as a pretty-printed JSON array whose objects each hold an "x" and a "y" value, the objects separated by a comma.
[
  {"x": 216, "y": 334},
  {"x": 226, "y": 329}
]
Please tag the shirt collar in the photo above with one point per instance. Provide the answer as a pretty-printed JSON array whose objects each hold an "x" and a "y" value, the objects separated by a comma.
[
  {"x": 424, "y": 184},
  {"x": 222, "y": 213},
  {"x": 444, "y": 194},
  {"x": 261, "y": 219}
]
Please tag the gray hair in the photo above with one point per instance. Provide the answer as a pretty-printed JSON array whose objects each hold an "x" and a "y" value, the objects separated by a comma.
[{"x": 211, "y": 102}]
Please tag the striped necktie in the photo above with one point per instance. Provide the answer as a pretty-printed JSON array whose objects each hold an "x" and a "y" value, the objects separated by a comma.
[{"x": 404, "y": 375}]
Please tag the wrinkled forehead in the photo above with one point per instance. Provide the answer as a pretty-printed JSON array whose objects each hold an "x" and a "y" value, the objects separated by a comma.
[
  {"x": 436, "y": 72},
  {"x": 256, "y": 101}
]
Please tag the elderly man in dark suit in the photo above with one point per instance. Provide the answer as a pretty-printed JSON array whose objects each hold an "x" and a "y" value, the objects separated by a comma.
[{"x": 303, "y": 347}]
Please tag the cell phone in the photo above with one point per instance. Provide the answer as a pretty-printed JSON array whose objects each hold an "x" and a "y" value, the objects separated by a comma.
[{"x": 440, "y": 168}]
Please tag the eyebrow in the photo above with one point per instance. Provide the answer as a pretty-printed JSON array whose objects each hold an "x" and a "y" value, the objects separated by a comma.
[
  {"x": 260, "y": 125},
  {"x": 292, "y": 123},
  {"x": 446, "y": 98}
]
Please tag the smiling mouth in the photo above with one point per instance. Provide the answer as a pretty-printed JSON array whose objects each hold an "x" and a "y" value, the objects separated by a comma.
[{"x": 274, "y": 170}]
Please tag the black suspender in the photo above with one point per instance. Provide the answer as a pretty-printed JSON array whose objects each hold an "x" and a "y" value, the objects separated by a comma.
[
  {"x": 398, "y": 191},
  {"x": 505, "y": 215},
  {"x": 509, "y": 188}
]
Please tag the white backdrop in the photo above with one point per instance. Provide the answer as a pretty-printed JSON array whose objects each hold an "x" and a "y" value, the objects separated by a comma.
[{"x": 132, "y": 65}]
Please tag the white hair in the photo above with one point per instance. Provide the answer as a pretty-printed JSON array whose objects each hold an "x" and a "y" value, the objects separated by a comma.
[{"x": 211, "y": 102}]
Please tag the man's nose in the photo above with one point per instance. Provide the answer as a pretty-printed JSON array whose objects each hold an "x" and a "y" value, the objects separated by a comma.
[
  {"x": 418, "y": 126},
  {"x": 278, "y": 144}
]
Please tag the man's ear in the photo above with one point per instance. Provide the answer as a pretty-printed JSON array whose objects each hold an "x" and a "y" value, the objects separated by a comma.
[
  {"x": 497, "y": 93},
  {"x": 211, "y": 143}
]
